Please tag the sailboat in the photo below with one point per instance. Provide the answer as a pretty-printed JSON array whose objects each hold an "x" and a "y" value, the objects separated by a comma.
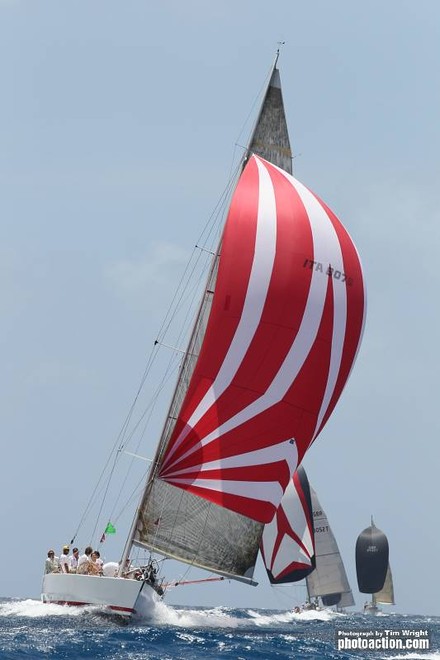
[
  {"x": 328, "y": 582},
  {"x": 273, "y": 343},
  {"x": 373, "y": 569},
  {"x": 299, "y": 544},
  {"x": 386, "y": 595}
]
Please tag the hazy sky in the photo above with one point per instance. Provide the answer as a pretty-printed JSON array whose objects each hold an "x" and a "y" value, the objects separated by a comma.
[{"x": 118, "y": 124}]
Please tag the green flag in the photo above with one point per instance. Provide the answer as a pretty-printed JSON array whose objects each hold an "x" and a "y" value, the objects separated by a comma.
[{"x": 110, "y": 529}]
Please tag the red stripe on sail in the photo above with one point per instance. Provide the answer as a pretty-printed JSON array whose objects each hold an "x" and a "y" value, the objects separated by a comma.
[{"x": 355, "y": 292}]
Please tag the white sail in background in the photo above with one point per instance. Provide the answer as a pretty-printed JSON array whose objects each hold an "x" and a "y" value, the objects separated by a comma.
[
  {"x": 329, "y": 580},
  {"x": 386, "y": 595}
]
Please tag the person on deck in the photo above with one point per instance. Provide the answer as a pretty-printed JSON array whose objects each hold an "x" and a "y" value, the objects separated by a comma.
[
  {"x": 52, "y": 564},
  {"x": 98, "y": 558},
  {"x": 83, "y": 561},
  {"x": 94, "y": 567},
  {"x": 73, "y": 560},
  {"x": 64, "y": 559}
]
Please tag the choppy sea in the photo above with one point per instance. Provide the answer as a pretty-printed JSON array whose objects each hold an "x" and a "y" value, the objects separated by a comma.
[{"x": 32, "y": 630}]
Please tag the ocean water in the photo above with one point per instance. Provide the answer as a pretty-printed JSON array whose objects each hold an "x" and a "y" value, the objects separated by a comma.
[{"x": 32, "y": 630}]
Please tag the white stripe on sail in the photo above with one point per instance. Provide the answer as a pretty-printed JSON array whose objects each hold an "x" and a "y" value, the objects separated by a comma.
[
  {"x": 294, "y": 511},
  {"x": 271, "y": 531},
  {"x": 259, "y": 280},
  {"x": 324, "y": 236},
  {"x": 268, "y": 491},
  {"x": 263, "y": 456},
  {"x": 288, "y": 552},
  {"x": 335, "y": 260}
]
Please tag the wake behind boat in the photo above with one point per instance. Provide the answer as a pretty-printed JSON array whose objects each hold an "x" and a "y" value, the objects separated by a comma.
[{"x": 273, "y": 343}]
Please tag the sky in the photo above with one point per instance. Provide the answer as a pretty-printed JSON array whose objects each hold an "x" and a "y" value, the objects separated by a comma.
[{"x": 118, "y": 126}]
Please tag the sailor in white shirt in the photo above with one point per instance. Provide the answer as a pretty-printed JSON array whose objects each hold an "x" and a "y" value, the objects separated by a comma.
[
  {"x": 73, "y": 560},
  {"x": 83, "y": 561},
  {"x": 64, "y": 559}
]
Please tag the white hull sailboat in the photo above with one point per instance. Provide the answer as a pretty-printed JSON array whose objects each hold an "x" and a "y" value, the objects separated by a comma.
[
  {"x": 119, "y": 595},
  {"x": 383, "y": 597},
  {"x": 274, "y": 341}
]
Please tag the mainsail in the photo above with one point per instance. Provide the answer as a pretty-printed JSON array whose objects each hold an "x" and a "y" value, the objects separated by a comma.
[
  {"x": 287, "y": 544},
  {"x": 371, "y": 559},
  {"x": 274, "y": 342},
  {"x": 329, "y": 580},
  {"x": 270, "y": 137}
]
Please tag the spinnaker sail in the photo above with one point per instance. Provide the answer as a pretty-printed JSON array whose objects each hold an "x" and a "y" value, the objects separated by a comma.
[
  {"x": 371, "y": 559},
  {"x": 287, "y": 544},
  {"x": 299, "y": 543}
]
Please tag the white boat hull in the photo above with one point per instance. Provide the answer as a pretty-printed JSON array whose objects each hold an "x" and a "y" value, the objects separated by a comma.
[
  {"x": 371, "y": 609},
  {"x": 119, "y": 595}
]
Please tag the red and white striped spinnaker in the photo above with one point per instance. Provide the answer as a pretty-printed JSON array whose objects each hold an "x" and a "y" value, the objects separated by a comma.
[
  {"x": 283, "y": 332},
  {"x": 287, "y": 545}
]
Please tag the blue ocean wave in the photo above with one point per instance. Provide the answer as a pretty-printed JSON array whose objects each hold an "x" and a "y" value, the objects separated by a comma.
[{"x": 33, "y": 630}]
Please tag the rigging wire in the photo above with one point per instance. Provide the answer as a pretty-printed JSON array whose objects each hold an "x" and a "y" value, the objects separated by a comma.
[
  {"x": 237, "y": 145},
  {"x": 183, "y": 294},
  {"x": 183, "y": 300},
  {"x": 180, "y": 298}
]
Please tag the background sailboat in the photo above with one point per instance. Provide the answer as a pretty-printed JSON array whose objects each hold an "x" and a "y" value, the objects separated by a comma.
[
  {"x": 328, "y": 581},
  {"x": 372, "y": 566},
  {"x": 386, "y": 595}
]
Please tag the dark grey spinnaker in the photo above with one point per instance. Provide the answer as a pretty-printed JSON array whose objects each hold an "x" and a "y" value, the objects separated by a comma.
[{"x": 371, "y": 559}]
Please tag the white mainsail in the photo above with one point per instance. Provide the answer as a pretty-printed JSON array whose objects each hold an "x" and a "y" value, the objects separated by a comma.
[{"x": 329, "y": 579}]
